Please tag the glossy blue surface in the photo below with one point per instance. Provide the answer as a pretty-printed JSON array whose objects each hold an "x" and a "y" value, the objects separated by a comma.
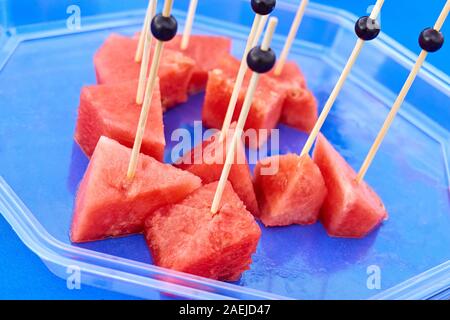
[{"x": 39, "y": 90}]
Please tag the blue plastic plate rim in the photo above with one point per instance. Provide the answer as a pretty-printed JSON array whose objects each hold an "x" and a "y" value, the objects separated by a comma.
[{"x": 434, "y": 282}]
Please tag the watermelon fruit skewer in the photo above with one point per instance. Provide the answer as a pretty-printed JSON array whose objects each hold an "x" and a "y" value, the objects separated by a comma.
[
  {"x": 253, "y": 38},
  {"x": 281, "y": 96},
  {"x": 188, "y": 25},
  {"x": 164, "y": 28},
  {"x": 145, "y": 56},
  {"x": 371, "y": 32},
  {"x": 260, "y": 60},
  {"x": 350, "y": 209},
  {"x": 290, "y": 189},
  {"x": 291, "y": 36},
  {"x": 216, "y": 146},
  {"x": 186, "y": 237},
  {"x": 433, "y": 45},
  {"x": 296, "y": 192},
  {"x": 149, "y": 13}
]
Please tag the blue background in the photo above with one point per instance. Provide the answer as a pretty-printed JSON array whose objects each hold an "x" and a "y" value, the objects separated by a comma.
[{"x": 24, "y": 276}]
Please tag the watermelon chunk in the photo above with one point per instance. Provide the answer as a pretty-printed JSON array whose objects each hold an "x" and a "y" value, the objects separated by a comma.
[
  {"x": 114, "y": 62},
  {"x": 111, "y": 111},
  {"x": 264, "y": 112},
  {"x": 204, "y": 50},
  {"x": 187, "y": 237},
  {"x": 300, "y": 107},
  {"x": 291, "y": 192},
  {"x": 351, "y": 209},
  {"x": 108, "y": 204},
  {"x": 290, "y": 77},
  {"x": 206, "y": 161},
  {"x": 300, "y": 110}
]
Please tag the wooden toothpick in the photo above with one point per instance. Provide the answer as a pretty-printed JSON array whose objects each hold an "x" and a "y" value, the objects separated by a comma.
[
  {"x": 146, "y": 55},
  {"x": 401, "y": 97},
  {"x": 188, "y": 25},
  {"x": 259, "y": 31},
  {"x": 148, "y": 98},
  {"x": 291, "y": 36},
  {"x": 253, "y": 38},
  {"x": 241, "y": 121},
  {"x": 345, "y": 72},
  {"x": 144, "y": 32}
]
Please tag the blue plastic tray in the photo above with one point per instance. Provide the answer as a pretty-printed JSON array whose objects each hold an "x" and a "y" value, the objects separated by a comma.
[{"x": 43, "y": 67}]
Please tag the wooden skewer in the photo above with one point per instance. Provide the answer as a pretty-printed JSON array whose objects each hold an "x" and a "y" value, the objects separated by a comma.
[
  {"x": 188, "y": 26},
  {"x": 146, "y": 56},
  {"x": 148, "y": 99},
  {"x": 332, "y": 98},
  {"x": 143, "y": 34},
  {"x": 241, "y": 121},
  {"x": 255, "y": 32},
  {"x": 399, "y": 101},
  {"x": 291, "y": 37},
  {"x": 259, "y": 32}
]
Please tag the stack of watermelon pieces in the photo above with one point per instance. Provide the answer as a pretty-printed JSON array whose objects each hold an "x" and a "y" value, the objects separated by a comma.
[
  {"x": 114, "y": 63},
  {"x": 171, "y": 204},
  {"x": 108, "y": 204},
  {"x": 180, "y": 72},
  {"x": 294, "y": 189},
  {"x": 266, "y": 105},
  {"x": 282, "y": 98}
]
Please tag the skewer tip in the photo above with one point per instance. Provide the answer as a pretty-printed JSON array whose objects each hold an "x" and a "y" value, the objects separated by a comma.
[
  {"x": 188, "y": 26},
  {"x": 130, "y": 174}
]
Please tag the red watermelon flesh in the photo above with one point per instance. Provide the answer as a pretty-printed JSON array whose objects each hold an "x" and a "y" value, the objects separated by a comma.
[
  {"x": 290, "y": 190},
  {"x": 264, "y": 112},
  {"x": 206, "y": 161},
  {"x": 187, "y": 237},
  {"x": 114, "y": 62},
  {"x": 108, "y": 204},
  {"x": 300, "y": 106},
  {"x": 205, "y": 51},
  {"x": 300, "y": 109},
  {"x": 290, "y": 77},
  {"x": 111, "y": 111},
  {"x": 351, "y": 209}
]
